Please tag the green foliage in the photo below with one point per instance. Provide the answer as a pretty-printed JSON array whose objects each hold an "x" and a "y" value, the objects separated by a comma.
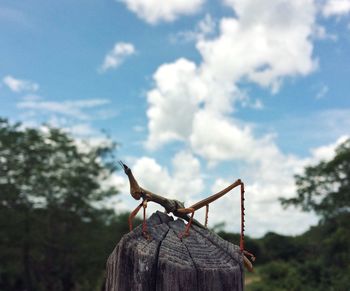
[
  {"x": 278, "y": 247},
  {"x": 46, "y": 168},
  {"x": 325, "y": 188},
  {"x": 321, "y": 262},
  {"x": 52, "y": 236},
  {"x": 318, "y": 259}
]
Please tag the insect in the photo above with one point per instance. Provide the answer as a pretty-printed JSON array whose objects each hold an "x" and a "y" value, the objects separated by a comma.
[{"x": 178, "y": 209}]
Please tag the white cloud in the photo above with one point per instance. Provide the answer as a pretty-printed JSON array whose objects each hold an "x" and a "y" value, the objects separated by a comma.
[
  {"x": 326, "y": 152},
  {"x": 263, "y": 211},
  {"x": 19, "y": 86},
  {"x": 117, "y": 55},
  {"x": 183, "y": 183},
  {"x": 193, "y": 103},
  {"x": 265, "y": 180},
  {"x": 251, "y": 47},
  {"x": 173, "y": 103},
  {"x": 71, "y": 116},
  {"x": 153, "y": 11},
  {"x": 66, "y": 108},
  {"x": 336, "y": 8},
  {"x": 254, "y": 45},
  {"x": 219, "y": 138},
  {"x": 205, "y": 28},
  {"x": 322, "y": 34}
]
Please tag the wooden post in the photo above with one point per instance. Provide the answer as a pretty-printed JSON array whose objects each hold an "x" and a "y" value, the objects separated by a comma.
[{"x": 202, "y": 261}]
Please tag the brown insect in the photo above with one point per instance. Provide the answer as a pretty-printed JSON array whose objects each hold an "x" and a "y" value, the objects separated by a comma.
[{"x": 178, "y": 209}]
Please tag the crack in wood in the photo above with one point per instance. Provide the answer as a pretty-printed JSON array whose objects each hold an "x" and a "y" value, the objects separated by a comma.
[{"x": 200, "y": 262}]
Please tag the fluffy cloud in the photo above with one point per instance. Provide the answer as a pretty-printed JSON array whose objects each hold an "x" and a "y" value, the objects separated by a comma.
[
  {"x": 183, "y": 183},
  {"x": 218, "y": 138},
  {"x": 153, "y": 11},
  {"x": 263, "y": 211},
  {"x": 173, "y": 103},
  {"x": 264, "y": 43},
  {"x": 254, "y": 47},
  {"x": 18, "y": 85},
  {"x": 336, "y": 7},
  {"x": 266, "y": 180},
  {"x": 326, "y": 152},
  {"x": 195, "y": 103},
  {"x": 117, "y": 55}
]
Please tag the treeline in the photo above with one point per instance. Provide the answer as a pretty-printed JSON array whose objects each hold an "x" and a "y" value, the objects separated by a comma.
[
  {"x": 316, "y": 260},
  {"x": 54, "y": 234},
  {"x": 68, "y": 254},
  {"x": 319, "y": 259}
]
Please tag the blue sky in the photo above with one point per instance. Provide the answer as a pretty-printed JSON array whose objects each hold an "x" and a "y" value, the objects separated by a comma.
[{"x": 198, "y": 93}]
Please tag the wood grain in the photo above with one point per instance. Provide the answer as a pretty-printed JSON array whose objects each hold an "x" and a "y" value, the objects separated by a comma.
[{"x": 201, "y": 261}]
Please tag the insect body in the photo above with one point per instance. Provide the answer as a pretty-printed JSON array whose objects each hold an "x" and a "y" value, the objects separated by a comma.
[{"x": 178, "y": 209}]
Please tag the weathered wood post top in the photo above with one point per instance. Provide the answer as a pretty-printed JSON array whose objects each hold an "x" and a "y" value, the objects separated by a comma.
[{"x": 200, "y": 261}]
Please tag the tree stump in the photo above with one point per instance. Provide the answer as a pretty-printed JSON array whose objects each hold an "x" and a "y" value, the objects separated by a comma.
[{"x": 201, "y": 261}]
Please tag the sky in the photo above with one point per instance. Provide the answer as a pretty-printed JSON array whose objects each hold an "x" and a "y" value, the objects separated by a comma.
[{"x": 196, "y": 93}]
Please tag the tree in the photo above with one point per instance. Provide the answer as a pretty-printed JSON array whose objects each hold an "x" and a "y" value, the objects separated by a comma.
[
  {"x": 325, "y": 188},
  {"x": 52, "y": 235}
]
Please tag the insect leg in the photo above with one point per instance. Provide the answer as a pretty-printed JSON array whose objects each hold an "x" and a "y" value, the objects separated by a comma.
[
  {"x": 186, "y": 211},
  {"x": 206, "y": 215},
  {"x": 144, "y": 223},
  {"x": 212, "y": 198},
  {"x": 133, "y": 214}
]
